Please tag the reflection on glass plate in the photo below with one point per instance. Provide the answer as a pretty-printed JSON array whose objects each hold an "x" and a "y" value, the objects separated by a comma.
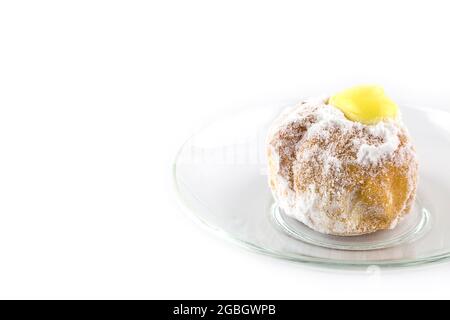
[{"x": 220, "y": 176}]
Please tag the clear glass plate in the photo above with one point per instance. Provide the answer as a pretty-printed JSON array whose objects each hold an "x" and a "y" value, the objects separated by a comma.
[{"x": 220, "y": 176}]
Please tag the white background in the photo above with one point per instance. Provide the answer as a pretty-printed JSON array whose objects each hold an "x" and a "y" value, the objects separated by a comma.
[{"x": 96, "y": 97}]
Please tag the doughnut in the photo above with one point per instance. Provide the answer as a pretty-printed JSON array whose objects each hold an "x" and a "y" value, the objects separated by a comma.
[{"x": 342, "y": 173}]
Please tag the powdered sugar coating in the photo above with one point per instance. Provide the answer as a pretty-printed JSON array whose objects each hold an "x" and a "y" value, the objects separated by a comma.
[{"x": 339, "y": 176}]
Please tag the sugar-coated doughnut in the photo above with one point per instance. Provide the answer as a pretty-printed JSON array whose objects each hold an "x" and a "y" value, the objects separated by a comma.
[{"x": 339, "y": 176}]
